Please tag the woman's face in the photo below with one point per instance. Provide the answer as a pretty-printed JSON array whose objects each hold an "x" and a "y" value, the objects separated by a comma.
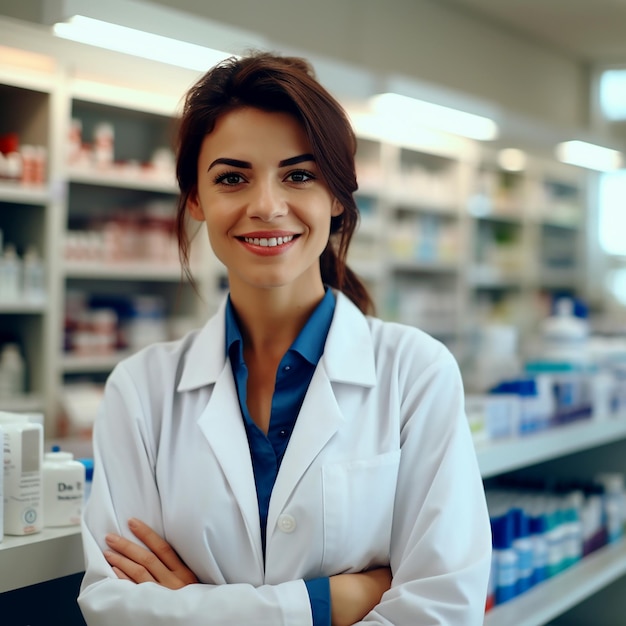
[{"x": 266, "y": 206}]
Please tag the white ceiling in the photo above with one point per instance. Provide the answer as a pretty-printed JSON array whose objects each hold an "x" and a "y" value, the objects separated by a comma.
[{"x": 592, "y": 31}]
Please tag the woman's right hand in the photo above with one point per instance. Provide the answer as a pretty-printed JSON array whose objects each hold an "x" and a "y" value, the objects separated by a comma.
[{"x": 353, "y": 596}]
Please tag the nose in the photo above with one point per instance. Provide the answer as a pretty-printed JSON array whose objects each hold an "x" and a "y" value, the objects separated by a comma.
[{"x": 267, "y": 202}]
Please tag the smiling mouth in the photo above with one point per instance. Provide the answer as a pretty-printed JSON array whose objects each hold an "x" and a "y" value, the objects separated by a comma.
[{"x": 268, "y": 242}]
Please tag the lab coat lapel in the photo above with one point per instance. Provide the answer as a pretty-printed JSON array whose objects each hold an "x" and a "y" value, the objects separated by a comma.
[
  {"x": 319, "y": 419},
  {"x": 222, "y": 425},
  {"x": 347, "y": 363}
]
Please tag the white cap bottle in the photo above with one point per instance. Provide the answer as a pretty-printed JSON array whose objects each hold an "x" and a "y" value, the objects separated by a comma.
[
  {"x": 564, "y": 334},
  {"x": 63, "y": 489}
]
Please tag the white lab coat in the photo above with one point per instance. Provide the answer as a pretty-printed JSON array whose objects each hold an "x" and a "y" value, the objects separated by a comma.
[{"x": 380, "y": 469}]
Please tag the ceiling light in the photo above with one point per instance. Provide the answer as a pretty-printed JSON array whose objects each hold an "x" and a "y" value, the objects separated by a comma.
[
  {"x": 410, "y": 112},
  {"x": 512, "y": 159},
  {"x": 613, "y": 94},
  {"x": 589, "y": 155},
  {"x": 138, "y": 43}
]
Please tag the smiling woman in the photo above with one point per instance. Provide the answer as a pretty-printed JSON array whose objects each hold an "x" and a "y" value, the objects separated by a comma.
[
  {"x": 268, "y": 190},
  {"x": 296, "y": 461}
]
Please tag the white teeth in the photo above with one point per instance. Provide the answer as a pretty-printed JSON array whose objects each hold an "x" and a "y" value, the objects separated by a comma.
[{"x": 270, "y": 242}]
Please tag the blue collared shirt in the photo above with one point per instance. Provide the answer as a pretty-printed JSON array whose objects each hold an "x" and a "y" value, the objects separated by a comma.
[{"x": 293, "y": 377}]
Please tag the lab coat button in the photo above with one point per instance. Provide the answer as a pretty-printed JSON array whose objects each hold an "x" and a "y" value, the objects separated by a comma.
[{"x": 287, "y": 523}]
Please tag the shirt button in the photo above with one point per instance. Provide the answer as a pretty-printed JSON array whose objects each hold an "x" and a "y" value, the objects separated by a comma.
[
  {"x": 286, "y": 368},
  {"x": 287, "y": 523}
]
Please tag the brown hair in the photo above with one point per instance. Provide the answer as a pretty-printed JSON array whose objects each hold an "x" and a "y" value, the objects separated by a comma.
[{"x": 277, "y": 84}]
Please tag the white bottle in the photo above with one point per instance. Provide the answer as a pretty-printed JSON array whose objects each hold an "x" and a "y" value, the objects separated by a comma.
[
  {"x": 33, "y": 276},
  {"x": 564, "y": 334},
  {"x": 1, "y": 483},
  {"x": 10, "y": 274},
  {"x": 23, "y": 453},
  {"x": 12, "y": 371},
  {"x": 63, "y": 489}
]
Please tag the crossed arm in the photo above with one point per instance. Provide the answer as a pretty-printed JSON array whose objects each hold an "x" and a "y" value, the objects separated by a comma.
[{"x": 352, "y": 595}]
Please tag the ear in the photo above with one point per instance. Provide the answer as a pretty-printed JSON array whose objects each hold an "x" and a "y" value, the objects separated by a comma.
[
  {"x": 336, "y": 208},
  {"x": 194, "y": 207}
]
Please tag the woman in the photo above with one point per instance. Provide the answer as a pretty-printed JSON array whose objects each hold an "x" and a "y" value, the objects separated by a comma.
[{"x": 295, "y": 461}]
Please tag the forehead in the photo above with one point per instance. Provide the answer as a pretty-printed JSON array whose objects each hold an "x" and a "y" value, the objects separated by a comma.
[{"x": 249, "y": 131}]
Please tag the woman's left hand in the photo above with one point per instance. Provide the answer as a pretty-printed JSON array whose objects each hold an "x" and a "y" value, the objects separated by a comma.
[{"x": 157, "y": 562}]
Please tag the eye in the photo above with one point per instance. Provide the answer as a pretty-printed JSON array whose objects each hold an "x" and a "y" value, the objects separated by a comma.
[
  {"x": 300, "y": 176},
  {"x": 230, "y": 179}
]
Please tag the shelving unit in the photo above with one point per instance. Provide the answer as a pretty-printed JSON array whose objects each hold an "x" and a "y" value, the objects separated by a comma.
[
  {"x": 60, "y": 550},
  {"x": 552, "y": 598},
  {"x": 430, "y": 205},
  {"x": 56, "y": 551},
  {"x": 27, "y": 213}
]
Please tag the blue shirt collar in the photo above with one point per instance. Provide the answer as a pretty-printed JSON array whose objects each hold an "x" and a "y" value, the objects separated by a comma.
[{"x": 310, "y": 341}]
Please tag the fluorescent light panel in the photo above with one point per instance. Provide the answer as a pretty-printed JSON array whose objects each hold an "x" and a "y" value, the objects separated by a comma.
[
  {"x": 410, "y": 111},
  {"x": 589, "y": 155},
  {"x": 613, "y": 94},
  {"x": 512, "y": 159},
  {"x": 138, "y": 43}
]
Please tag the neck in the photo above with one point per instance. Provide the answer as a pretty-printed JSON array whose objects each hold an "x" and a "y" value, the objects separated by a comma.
[{"x": 271, "y": 319}]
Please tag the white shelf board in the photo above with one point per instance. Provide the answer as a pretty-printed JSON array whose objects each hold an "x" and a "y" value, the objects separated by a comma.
[
  {"x": 22, "y": 306},
  {"x": 24, "y": 78},
  {"x": 492, "y": 277},
  {"x": 32, "y": 559},
  {"x": 559, "y": 278},
  {"x": 27, "y": 403},
  {"x": 113, "y": 178},
  {"x": 497, "y": 457},
  {"x": 409, "y": 202},
  {"x": 76, "y": 363},
  {"x": 24, "y": 194},
  {"x": 553, "y": 597},
  {"x": 425, "y": 267},
  {"x": 122, "y": 271},
  {"x": 514, "y": 218},
  {"x": 163, "y": 104}
]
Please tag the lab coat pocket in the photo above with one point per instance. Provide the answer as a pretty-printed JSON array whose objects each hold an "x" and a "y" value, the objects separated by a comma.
[{"x": 358, "y": 512}]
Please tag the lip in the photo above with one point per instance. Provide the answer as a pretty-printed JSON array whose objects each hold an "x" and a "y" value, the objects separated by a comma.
[
  {"x": 267, "y": 234},
  {"x": 267, "y": 251}
]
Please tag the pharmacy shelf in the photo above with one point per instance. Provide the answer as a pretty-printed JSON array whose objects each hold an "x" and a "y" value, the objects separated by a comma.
[
  {"x": 498, "y": 457},
  {"x": 23, "y": 306},
  {"x": 134, "y": 180},
  {"x": 122, "y": 271},
  {"x": 423, "y": 267},
  {"x": 555, "y": 596},
  {"x": 80, "y": 364},
  {"x": 24, "y": 194},
  {"x": 27, "y": 403},
  {"x": 32, "y": 559}
]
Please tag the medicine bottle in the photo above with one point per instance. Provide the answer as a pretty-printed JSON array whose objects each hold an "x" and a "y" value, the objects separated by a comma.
[
  {"x": 12, "y": 371},
  {"x": 63, "y": 489},
  {"x": 23, "y": 452},
  {"x": 34, "y": 276}
]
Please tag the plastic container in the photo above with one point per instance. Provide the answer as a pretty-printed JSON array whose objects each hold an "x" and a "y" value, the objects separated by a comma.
[
  {"x": 10, "y": 275},
  {"x": 63, "y": 489},
  {"x": 538, "y": 526},
  {"x": 523, "y": 546},
  {"x": 88, "y": 463},
  {"x": 506, "y": 557},
  {"x": 23, "y": 454},
  {"x": 34, "y": 276},
  {"x": 12, "y": 371},
  {"x": 613, "y": 485},
  {"x": 1, "y": 484},
  {"x": 565, "y": 335}
]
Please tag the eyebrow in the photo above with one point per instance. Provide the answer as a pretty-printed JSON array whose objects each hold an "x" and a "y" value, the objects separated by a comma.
[{"x": 246, "y": 165}]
